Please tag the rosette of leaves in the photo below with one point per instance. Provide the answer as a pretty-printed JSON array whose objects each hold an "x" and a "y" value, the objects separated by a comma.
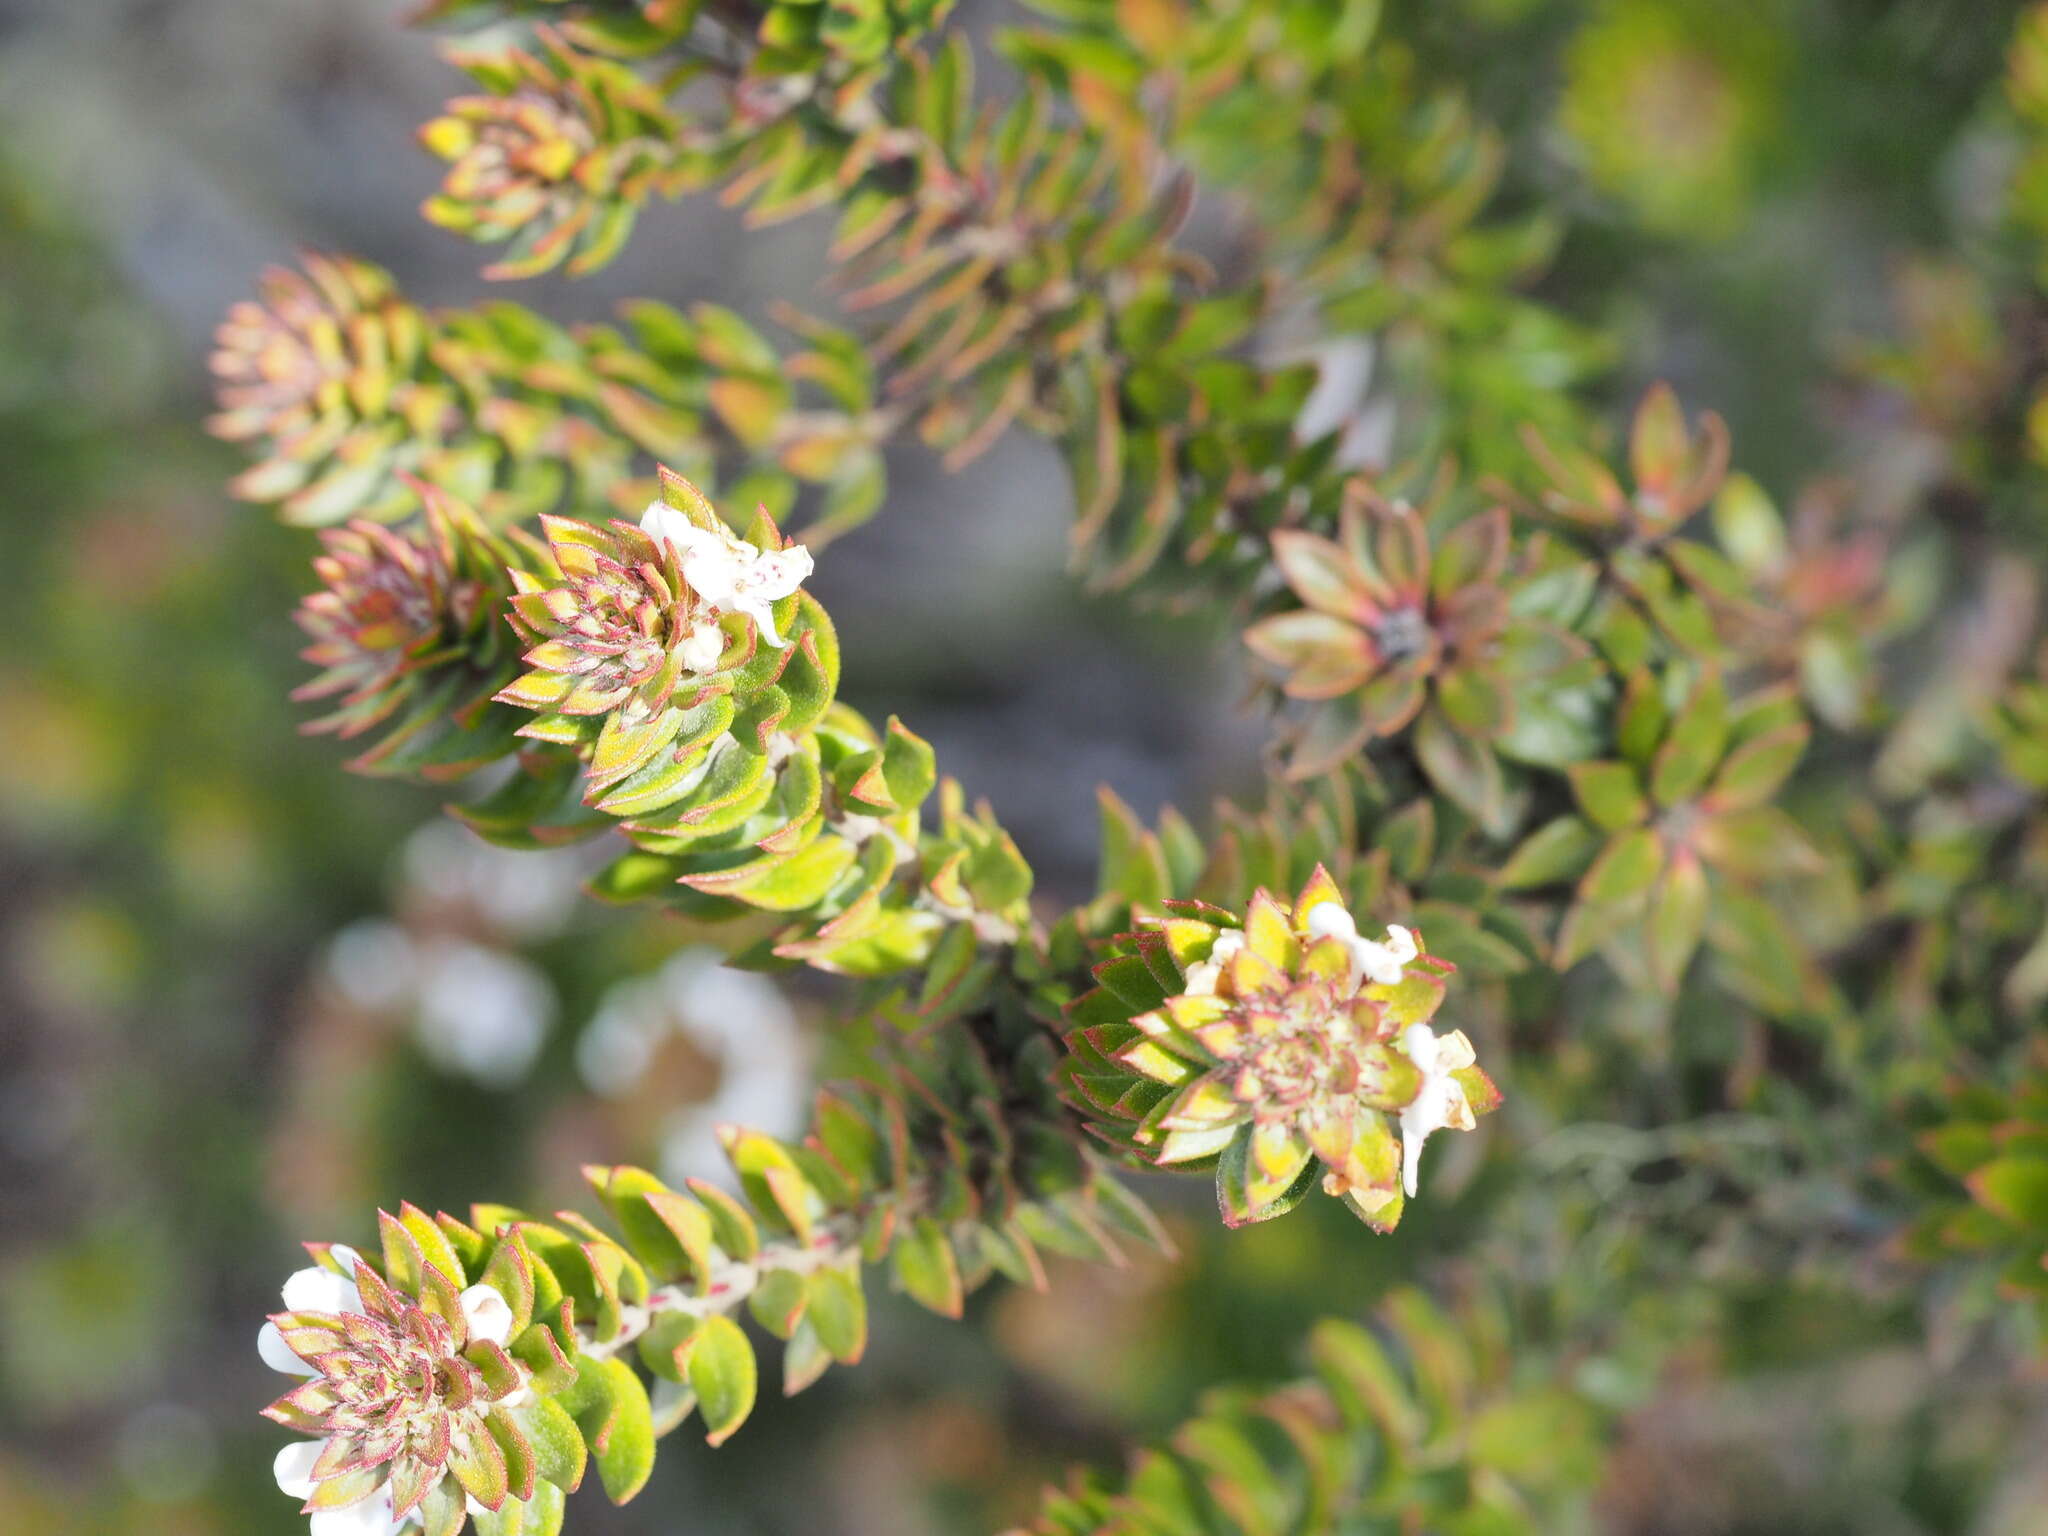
[
  {"x": 1828, "y": 593},
  {"x": 1414, "y": 1424},
  {"x": 1263, "y": 1055},
  {"x": 1672, "y": 110},
  {"x": 405, "y": 1400},
  {"x": 746, "y": 790},
  {"x": 1656, "y": 585},
  {"x": 1980, "y": 1183},
  {"x": 406, "y": 630},
  {"x": 669, "y": 705},
  {"x": 1394, "y": 633},
  {"x": 1421, "y": 861},
  {"x": 322, "y": 376},
  {"x": 341, "y": 389},
  {"x": 1675, "y": 836},
  {"x": 555, "y": 158}
]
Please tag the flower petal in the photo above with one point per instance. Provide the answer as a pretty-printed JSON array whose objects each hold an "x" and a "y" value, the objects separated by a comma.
[
  {"x": 293, "y": 1467},
  {"x": 662, "y": 521},
  {"x": 321, "y": 1290},
  {"x": 278, "y": 1355},
  {"x": 366, "y": 1517}
]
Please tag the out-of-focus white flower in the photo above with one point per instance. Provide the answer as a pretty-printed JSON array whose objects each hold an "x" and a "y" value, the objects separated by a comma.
[
  {"x": 1371, "y": 960},
  {"x": 481, "y": 1012},
  {"x": 727, "y": 572},
  {"x": 1441, "y": 1102},
  {"x": 736, "y": 1019}
]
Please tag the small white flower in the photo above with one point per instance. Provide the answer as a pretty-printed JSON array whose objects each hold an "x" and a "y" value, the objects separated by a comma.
[
  {"x": 702, "y": 645},
  {"x": 487, "y": 1314},
  {"x": 1441, "y": 1101},
  {"x": 1370, "y": 960},
  {"x": 311, "y": 1289},
  {"x": 368, "y": 1516},
  {"x": 726, "y": 571},
  {"x": 1204, "y": 974},
  {"x": 294, "y": 1467}
]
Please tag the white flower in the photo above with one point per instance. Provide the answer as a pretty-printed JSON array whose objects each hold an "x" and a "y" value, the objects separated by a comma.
[
  {"x": 1370, "y": 959},
  {"x": 727, "y": 572},
  {"x": 702, "y": 646},
  {"x": 1441, "y": 1101},
  {"x": 311, "y": 1290},
  {"x": 368, "y": 1516},
  {"x": 486, "y": 1314},
  {"x": 1203, "y": 974}
]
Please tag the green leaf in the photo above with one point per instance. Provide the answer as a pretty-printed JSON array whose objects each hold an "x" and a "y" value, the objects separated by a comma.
[
  {"x": 1639, "y": 724},
  {"x": 612, "y": 1413},
  {"x": 1693, "y": 747},
  {"x": 2014, "y": 1188},
  {"x": 839, "y": 1312},
  {"x": 1133, "y": 865},
  {"x": 559, "y": 1454},
  {"x": 1749, "y": 526},
  {"x": 1753, "y": 773},
  {"x": 1465, "y": 769},
  {"x": 1678, "y": 915},
  {"x": 1625, "y": 869},
  {"x": 1557, "y": 851},
  {"x": 540, "y": 1515},
  {"x": 927, "y": 1269},
  {"x": 649, "y": 1237},
  {"x": 778, "y": 1302},
  {"x": 1609, "y": 793},
  {"x": 720, "y": 1364}
]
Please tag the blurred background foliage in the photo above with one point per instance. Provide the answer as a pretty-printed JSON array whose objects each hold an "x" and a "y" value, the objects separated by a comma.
[{"x": 244, "y": 996}]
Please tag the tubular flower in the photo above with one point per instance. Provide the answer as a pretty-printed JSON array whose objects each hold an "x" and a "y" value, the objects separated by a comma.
[
  {"x": 407, "y": 1402},
  {"x": 728, "y": 572},
  {"x": 405, "y": 621},
  {"x": 1282, "y": 1052}
]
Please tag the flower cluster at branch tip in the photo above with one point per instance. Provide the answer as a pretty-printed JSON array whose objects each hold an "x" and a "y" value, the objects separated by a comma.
[
  {"x": 645, "y": 614},
  {"x": 395, "y": 1401},
  {"x": 727, "y": 572},
  {"x": 1279, "y": 1054}
]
